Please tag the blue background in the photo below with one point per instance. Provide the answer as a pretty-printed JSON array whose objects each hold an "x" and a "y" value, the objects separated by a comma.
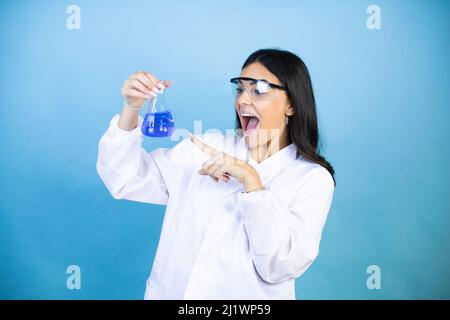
[{"x": 382, "y": 96}]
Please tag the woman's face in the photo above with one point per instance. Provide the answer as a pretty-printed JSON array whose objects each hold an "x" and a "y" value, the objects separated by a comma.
[{"x": 269, "y": 112}]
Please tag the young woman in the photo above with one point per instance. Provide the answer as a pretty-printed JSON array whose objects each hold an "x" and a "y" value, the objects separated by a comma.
[{"x": 245, "y": 212}]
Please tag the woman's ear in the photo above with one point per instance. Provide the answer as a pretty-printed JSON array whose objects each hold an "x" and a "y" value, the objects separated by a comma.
[{"x": 289, "y": 110}]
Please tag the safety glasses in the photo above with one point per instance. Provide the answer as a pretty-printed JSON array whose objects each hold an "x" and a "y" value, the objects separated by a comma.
[{"x": 258, "y": 89}]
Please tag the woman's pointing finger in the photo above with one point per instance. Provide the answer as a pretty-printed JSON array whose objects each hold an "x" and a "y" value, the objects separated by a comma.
[{"x": 204, "y": 147}]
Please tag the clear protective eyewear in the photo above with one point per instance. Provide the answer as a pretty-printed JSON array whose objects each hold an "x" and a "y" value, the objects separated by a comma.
[{"x": 258, "y": 89}]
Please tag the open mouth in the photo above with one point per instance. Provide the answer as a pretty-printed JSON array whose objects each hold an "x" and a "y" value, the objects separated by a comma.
[{"x": 250, "y": 122}]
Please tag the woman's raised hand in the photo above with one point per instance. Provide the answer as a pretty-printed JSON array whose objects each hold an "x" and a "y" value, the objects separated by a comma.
[{"x": 140, "y": 86}]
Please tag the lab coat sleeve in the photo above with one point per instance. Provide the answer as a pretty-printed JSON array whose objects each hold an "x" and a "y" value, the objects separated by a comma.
[
  {"x": 130, "y": 172},
  {"x": 284, "y": 240}
]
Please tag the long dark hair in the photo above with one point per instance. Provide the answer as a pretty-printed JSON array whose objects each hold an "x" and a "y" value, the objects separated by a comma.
[{"x": 302, "y": 127}]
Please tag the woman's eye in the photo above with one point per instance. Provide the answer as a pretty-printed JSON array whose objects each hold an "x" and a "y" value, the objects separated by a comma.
[
  {"x": 239, "y": 90},
  {"x": 258, "y": 93}
]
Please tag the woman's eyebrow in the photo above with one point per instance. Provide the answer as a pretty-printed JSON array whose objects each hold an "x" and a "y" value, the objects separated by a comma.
[{"x": 254, "y": 80}]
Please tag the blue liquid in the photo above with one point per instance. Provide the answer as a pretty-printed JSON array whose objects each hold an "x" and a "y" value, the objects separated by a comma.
[{"x": 158, "y": 124}]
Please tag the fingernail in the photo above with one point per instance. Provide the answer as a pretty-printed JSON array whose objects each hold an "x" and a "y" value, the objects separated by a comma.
[
  {"x": 152, "y": 94},
  {"x": 161, "y": 85},
  {"x": 155, "y": 90}
]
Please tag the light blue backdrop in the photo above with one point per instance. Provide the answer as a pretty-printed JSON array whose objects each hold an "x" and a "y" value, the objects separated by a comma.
[{"x": 382, "y": 96}]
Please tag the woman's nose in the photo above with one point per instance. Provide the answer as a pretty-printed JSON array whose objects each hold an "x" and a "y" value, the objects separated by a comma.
[{"x": 244, "y": 98}]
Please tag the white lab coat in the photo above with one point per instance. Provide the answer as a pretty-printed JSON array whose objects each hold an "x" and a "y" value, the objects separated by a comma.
[{"x": 218, "y": 242}]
